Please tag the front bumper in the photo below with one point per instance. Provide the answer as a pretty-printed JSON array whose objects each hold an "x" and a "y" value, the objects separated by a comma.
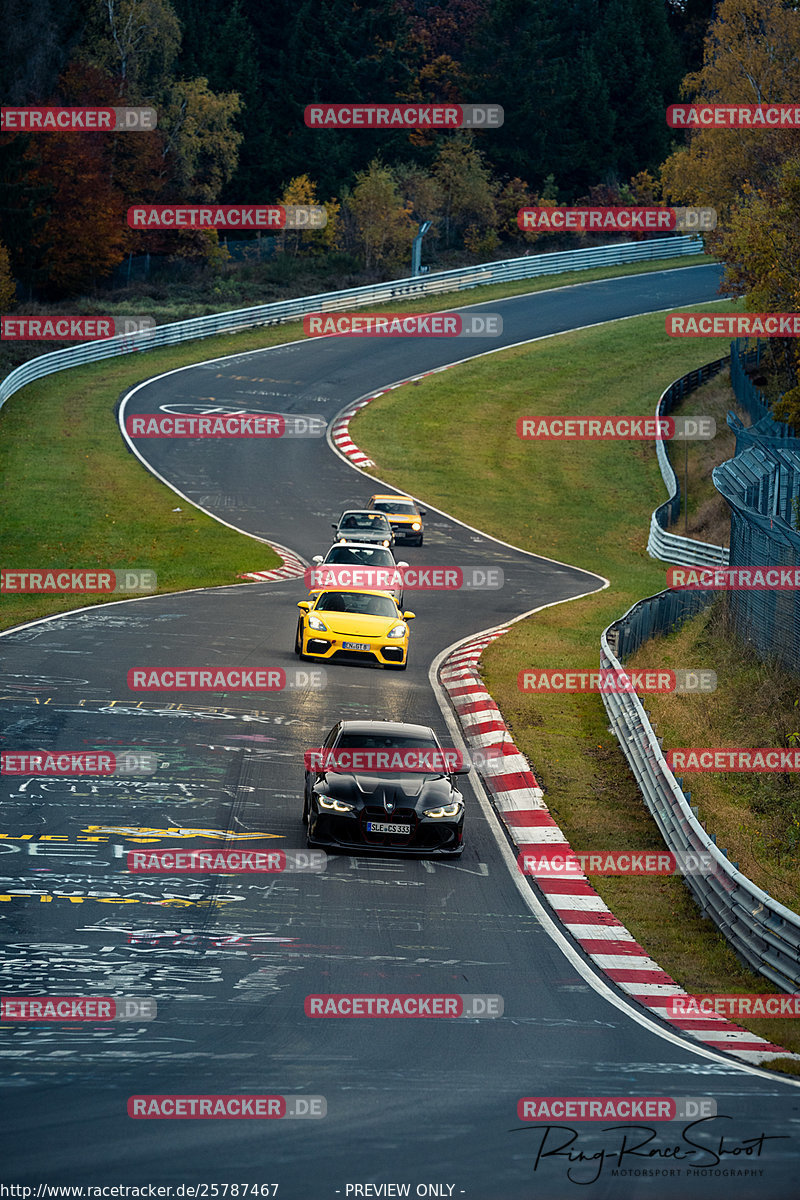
[
  {"x": 346, "y": 831},
  {"x": 328, "y": 646},
  {"x": 404, "y": 533}
]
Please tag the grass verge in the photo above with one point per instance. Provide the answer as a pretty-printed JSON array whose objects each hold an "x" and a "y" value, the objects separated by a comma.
[
  {"x": 588, "y": 504},
  {"x": 755, "y": 816}
]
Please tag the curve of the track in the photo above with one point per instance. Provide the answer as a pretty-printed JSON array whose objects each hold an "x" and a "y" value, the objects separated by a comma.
[{"x": 230, "y": 960}]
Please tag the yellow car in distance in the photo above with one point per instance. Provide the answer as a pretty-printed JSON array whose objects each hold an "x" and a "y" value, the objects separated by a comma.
[
  {"x": 354, "y": 624},
  {"x": 403, "y": 515}
]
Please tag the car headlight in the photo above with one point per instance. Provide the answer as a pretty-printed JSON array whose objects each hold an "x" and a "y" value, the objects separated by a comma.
[
  {"x": 333, "y": 805},
  {"x": 416, "y": 526},
  {"x": 315, "y": 623},
  {"x": 444, "y": 810},
  {"x": 342, "y": 541},
  {"x": 397, "y": 631},
  {"x": 385, "y": 542}
]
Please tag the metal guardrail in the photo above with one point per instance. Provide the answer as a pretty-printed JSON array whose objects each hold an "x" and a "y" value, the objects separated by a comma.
[
  {"x": 669, "y": 547},
  {"x": 763, "y": 932},
  {"x": 281, "y": 311}
]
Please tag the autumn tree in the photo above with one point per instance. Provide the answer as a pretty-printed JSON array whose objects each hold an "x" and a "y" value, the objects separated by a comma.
[
  {"x": 383, "y": 225},
  {"x": 74, "y": 232},
  {"x": 302, "y": 190},
  {"x": 467, "y": 186},
  {"x": 85, "y": 223},
  {"x": 751, "y": 176},
  {"x": 752, "y": 56},
  {"x": 201, "y": 144},
  {"x": 762, "y": 249},
  {"x": 84, "y": 228}
]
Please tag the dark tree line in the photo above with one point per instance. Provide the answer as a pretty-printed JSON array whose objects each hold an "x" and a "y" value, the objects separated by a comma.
[{"x": 583, "y": 83}]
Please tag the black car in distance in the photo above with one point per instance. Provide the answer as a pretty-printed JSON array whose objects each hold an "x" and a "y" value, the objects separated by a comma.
[{"x": 389, "y": 789}]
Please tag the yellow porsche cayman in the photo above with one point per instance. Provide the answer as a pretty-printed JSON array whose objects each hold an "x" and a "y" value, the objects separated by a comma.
[{"x": 353, "y": 624}]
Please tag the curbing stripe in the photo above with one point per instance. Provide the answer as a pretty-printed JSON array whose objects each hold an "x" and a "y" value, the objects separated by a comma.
[
  {"x": 292, "y": 567},
  {"x": 518, "y": 801}
]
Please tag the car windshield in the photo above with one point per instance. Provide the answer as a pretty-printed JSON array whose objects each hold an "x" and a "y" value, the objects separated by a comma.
[
  {"x": 401, "y": 507},
  {"x": 385, "y": 741},
  {"x": 370, "y": 556},
  {"x": 363, "y": 521},
  {"x": 357, "y": 602}
]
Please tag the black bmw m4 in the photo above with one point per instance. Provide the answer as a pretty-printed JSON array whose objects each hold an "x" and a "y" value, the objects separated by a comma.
[{"x": 383, "y": 786}]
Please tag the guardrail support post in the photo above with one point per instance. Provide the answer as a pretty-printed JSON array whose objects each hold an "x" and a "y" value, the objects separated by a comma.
[{"x": 416, "y": 249}]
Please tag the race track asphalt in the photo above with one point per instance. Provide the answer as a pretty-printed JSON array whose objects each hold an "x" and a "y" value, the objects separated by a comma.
[{"x": 428, "y": 1103}]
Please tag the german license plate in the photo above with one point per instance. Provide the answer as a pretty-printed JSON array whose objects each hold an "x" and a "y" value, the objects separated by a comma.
[
  {"x": 355, "y": 646},
  {"x": 387, "y": 827}
]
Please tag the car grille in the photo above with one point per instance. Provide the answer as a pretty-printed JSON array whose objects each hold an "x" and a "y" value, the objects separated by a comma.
[
  {"x": 353, "y": 655},
  {"x": 399, "y": 816}
]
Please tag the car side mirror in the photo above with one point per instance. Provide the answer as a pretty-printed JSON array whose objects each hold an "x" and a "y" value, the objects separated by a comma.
[
  {"x": 304, "y": 604},
  {"x": 402, "y": 564},
  {"x": 461, "y": 771},
  {"x": 423, "y": 512},
  {"x": 317, "y": 559},
  {"x": 334, "y": 525},
  {"x": 408, "y": 616}
]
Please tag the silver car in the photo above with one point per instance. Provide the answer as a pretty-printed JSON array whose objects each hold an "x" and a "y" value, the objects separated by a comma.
[
  {"x": 364, "y": 525},
  {"x": 362, "y": 555}
]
